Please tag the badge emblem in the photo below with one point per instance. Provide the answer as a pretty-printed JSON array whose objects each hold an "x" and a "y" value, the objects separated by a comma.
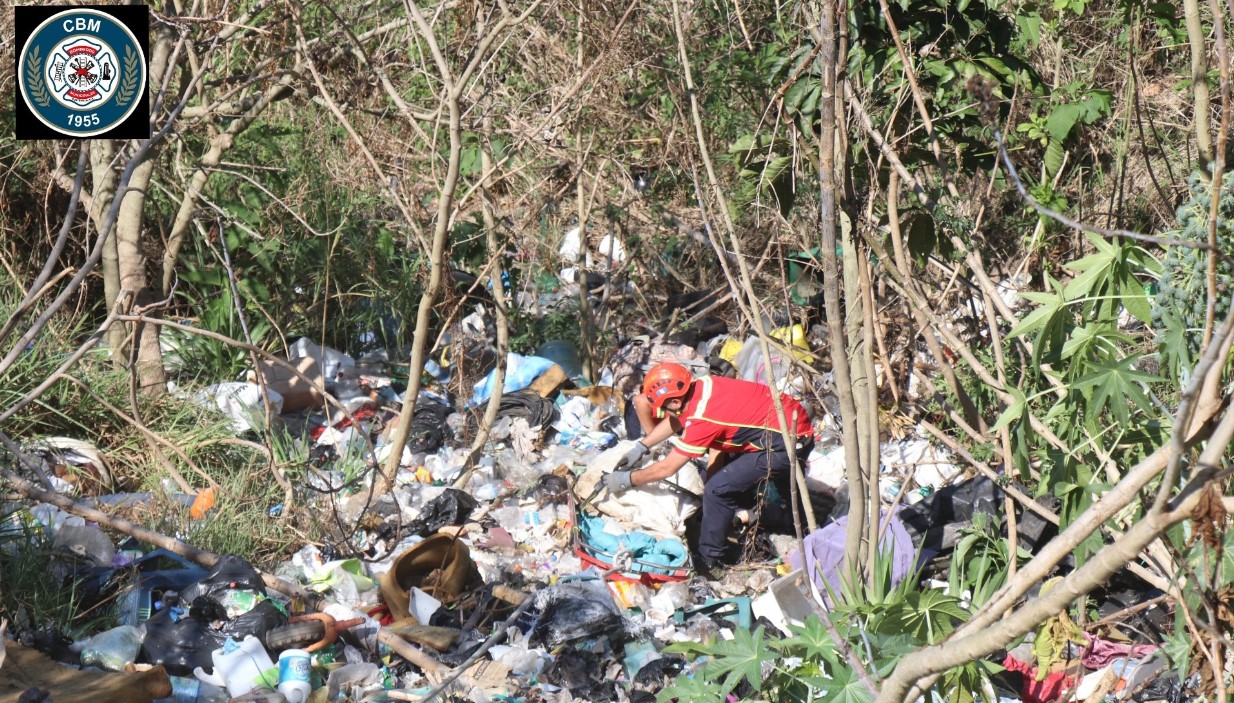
[{"x": 82, "y": 72}]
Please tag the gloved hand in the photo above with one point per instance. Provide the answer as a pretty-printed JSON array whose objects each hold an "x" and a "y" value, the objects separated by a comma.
[
  {"x": 634, "y": 455},
  {"x": 618, "y": 481}
]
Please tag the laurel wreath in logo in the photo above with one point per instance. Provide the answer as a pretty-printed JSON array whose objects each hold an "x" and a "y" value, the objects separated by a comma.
[
  {"x": 128, "y": 87},
  {"x": 34, "y": 76}
]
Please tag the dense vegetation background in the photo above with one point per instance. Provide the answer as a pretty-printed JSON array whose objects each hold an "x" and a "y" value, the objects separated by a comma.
[{"x": 345, "y": 171}]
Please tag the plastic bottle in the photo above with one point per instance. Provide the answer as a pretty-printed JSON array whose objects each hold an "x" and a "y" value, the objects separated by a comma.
[
  {"x": 294, "y": 675},
  {"x": 112, "y": 649},
  {"x": 185, "y": 690}
]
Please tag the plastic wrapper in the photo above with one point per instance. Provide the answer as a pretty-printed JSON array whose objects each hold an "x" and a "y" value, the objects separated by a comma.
[
  {"x": 452, "y": 507},
  {"x": 538, "y": 412},
  {"x": 348, "y": 676},
  {"x": 550, "y": 489},
  {"x": 581, "y": 673}
]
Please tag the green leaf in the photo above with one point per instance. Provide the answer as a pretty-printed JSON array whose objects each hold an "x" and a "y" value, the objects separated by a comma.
[
  {"x": 1062, "y": 119},
  {"x": 1051, "y": 304},
  {"x": 845, "y": 686},
  {"x": 810, "y": 105},
  {"x": 1095, "y": 341},
  {"x": 1114, "y": 385},
  {"x": 1013, "y": 412},
  {"x": 1030, "y": 25},
  {"x": 996, "y": 65},
  {"x": 811, "y": 641},
  {"x": 740, "y": 658}
]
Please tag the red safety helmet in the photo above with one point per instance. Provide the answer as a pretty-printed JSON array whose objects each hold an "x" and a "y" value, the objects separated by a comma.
[{"x": 666, "y": 381}]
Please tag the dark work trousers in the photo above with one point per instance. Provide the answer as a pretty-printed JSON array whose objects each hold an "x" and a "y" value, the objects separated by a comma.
[
  {"x": 634, "y": 429},
  {"x": 736, "y": 486}
]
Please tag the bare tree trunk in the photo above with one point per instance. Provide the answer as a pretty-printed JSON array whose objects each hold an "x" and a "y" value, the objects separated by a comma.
[
  {"x": 131, "y": 261},
  {"x": 499, "y": 311},
  {"x": 129, "y": 249},
  {"x": 1199, "y": 79},
  {"x": 103, "y": 175},
  {"x": 828, "y": 224}
]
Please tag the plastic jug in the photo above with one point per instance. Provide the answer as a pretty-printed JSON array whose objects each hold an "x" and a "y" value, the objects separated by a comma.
[{"x": 238, "y": 669}]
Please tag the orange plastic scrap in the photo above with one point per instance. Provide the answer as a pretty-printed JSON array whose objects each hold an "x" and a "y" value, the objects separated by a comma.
[{"x": 203, "y": 503}]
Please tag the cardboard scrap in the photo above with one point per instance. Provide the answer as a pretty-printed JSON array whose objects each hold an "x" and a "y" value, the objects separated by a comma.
[{"x": 26, "y": 668}]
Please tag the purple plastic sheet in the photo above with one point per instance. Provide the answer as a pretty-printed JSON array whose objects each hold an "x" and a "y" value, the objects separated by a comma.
[{"x": 825, "y": 553}]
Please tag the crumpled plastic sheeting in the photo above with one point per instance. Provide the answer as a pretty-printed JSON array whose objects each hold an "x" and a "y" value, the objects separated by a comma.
[
  {"x": 452, "y": 507},
  {"x": 240, "y": 402},
  {"x": 825, "y": 553},
  {"x": 653, "y": 508},
  {"x": 538, "y": 412},
  {"x": 1101, "y": 652},
  {"x": 668, "y": 554},
  {"x": 933, "y": 465},
  {"x": 520, "y": 372},
  {"x": 573, "y": 611},
  {"x": 1049, "y": 688}
]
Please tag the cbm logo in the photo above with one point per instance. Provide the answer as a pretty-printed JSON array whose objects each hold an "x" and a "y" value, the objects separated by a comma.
[{"x": 82, "y": 72}]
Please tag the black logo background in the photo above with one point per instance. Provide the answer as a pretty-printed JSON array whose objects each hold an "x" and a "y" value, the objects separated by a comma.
[{"x": 136, "y": 17}]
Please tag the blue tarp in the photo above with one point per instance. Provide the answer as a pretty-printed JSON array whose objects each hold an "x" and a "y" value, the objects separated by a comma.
[{"x": 520, "y": 372}]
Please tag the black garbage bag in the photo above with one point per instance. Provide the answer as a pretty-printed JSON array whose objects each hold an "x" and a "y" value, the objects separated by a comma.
[
  {"x": 428, "y": 426},
  {"x": 230, "y": 573},
  {"x": 539, "y": 412},
  {"x": 1166, "y": 687},
  {"x": 935, "y": 522},
  {"x": 575, "y": 611},
  {"x": 452, "y": 507},
  {"x": 582, "y": 674},
  {"x": 180, "y": 641},
  {"x": 182, "y": 635},
  {"x": 658, "y": 673},
  {"x": 550, "y": 489}
]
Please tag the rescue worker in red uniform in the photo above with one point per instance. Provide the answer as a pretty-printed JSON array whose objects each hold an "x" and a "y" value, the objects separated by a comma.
[{"x": 733, "y": 420}]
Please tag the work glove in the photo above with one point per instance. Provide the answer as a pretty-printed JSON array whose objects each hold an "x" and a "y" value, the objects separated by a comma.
[
  {"x": 618, "y": 481},
  {"x": 634, "y": 455}
]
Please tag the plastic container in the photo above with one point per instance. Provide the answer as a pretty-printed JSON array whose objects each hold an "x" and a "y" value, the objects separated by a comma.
[
  {"x": 295, "y": 668},
  {"x": 138, "y": 603},
  {"x": 239, "y": 669}
]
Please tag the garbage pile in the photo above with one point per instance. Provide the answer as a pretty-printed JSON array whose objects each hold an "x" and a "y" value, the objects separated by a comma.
[{"x": 527, "y": 581}]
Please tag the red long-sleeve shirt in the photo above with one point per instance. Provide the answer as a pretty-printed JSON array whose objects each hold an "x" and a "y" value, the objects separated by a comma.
[{"x": 735, "y": 416}]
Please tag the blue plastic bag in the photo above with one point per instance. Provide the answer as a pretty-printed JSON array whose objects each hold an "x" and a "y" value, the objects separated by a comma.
[{"x": 520, "y": 372}]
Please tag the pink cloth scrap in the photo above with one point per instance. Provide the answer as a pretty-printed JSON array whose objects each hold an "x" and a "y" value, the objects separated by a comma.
[{"x": 1101, "y": 653}]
